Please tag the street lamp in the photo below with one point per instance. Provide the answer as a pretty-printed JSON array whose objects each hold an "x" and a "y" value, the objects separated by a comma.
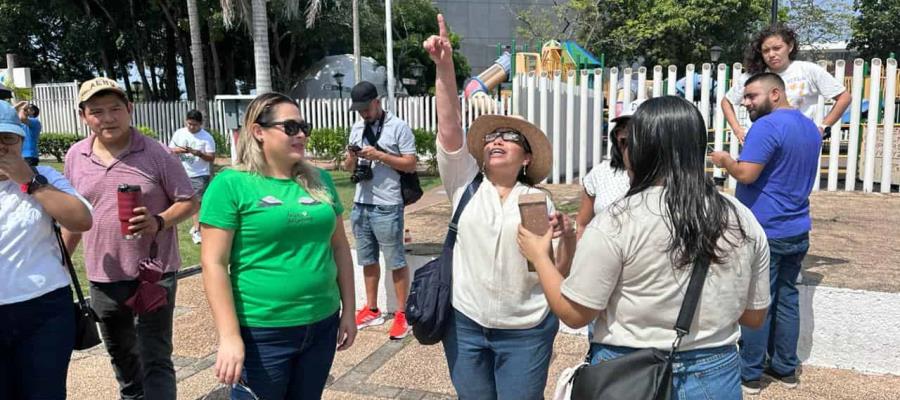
[
  {"x": 138, "y": 90},
  {"x": 339, "y": 79},
  {"x": 416, "y": 69},
  {"x": 714, "y": 53}
]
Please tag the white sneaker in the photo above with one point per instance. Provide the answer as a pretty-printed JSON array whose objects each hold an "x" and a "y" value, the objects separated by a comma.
[{"x": 195, "y": 236}]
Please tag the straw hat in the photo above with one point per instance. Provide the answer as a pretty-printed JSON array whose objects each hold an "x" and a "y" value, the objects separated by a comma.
[{"x": 541, "y": 152}]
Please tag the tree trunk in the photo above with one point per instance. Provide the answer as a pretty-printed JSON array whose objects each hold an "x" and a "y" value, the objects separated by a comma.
[
  {"x": 217, "y": 69},
  {"x": 172, "y": 92},
  {"x": 197, "y": 56},
  {"x": 261, "y": 63}
]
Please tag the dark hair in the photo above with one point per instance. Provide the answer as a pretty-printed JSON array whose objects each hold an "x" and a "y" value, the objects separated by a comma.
[
  {"x": 616, "y": 160},
  {"x": 195, "y": 115},
  {"x": 753, "y": 58},
  {"x": 667, "y": 145},
  {"x": 768, "y": 77},
  {"x": 524, "y": 179},
  {"x": 34, "y": 110}
]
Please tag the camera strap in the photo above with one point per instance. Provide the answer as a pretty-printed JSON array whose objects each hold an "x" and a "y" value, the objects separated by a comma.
[{"x": 371, "y": 136}]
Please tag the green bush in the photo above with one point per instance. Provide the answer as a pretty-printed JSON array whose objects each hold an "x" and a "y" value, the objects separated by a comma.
[
  {"x": 147, "y": 131},
  {"x": 426, "y": 149},
  {"x": 329, "y": 144},
  {"x": 223, "y": 144},
  {"x": 56, "y": 144}
]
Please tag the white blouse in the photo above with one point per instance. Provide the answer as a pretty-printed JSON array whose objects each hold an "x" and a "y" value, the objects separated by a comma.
[{"x": 491, "y": 282}]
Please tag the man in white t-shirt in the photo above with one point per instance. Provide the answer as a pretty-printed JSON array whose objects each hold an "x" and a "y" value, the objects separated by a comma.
[{"x": 197, "y": 151}]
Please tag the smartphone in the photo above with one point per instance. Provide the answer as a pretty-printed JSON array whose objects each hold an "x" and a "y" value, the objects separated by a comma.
[{"x": 533, "y": 211}]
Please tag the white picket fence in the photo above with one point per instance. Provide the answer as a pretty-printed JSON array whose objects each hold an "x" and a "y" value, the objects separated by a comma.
[{"x": 576, "y": 117}]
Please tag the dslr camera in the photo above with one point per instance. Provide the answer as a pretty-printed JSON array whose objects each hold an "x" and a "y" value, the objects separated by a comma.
[{"x": 363, "y": 170}]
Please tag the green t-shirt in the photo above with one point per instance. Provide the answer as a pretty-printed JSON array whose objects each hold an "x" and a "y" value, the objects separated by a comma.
[{"x": 282, "y": 264}]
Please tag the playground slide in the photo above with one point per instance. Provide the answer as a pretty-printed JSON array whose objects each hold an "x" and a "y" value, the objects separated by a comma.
[{"x": 490, "y": 78}]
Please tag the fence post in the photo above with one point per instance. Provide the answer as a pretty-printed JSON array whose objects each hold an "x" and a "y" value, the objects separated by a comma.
[
  {"x": 705, "y": 76},
  {"x": 673, "y": 78},
  {"x": 611, "y": 105},
  {"x": 689, "y": 83},
  {"x": 718, "y": 128},
  {"x": 570, "y": 125},
  {"x": 530, "y": 80},
  {"x": 834, "y": 148},
  {"x": 642, "y": 84},
  {"x": 855, "y": 109},
  {"x": 544, "y": 88},
  {"x": 557, "y": 123},
  {"x": 657, "y": 80},
  {"x": 887, "y": 145},
  {"x": 597, "y": 132},
  {"x": 583, "y": 125},
  {"x": 872, "y": 124}
]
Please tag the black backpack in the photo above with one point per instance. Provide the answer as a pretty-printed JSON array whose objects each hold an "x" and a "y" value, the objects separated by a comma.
[{"x": 428, "y": 305}]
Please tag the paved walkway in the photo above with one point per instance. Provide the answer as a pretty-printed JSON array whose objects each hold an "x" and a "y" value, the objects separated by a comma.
[{"x": 377, "y": 368}]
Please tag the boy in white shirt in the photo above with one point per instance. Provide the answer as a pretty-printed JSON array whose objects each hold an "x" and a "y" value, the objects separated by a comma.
[{"x": 197, "y": 151}]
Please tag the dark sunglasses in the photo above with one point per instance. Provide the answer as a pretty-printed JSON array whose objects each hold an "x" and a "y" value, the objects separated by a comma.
[
  {"x": 507, "y": 136},
  {"x": 290, "y": 127}
]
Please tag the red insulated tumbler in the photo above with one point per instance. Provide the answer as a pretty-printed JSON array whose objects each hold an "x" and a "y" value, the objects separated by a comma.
[{"x": 129, "y": 198}]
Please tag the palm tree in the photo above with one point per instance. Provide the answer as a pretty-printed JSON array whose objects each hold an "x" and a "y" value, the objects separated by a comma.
[
  {"x": 197, "y": 56},
  {"x": 239, "y": 11}
]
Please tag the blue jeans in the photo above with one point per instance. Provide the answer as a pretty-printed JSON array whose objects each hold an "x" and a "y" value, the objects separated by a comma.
[
  {"x": 36, "y": 341},
  {"x": 288, "y": 363},
  {"x": 696, "y": 374},
  {"x": 489, "y": 364},
  {"x": 777, "y": 338},
  {"x": 378, "y": 227}
]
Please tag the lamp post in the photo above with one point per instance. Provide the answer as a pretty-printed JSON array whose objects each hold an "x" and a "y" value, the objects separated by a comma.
[
  {"x": 416, "y": 69},
  {"x": 138, "y": 90},
  {"x": 714, "y": 53},
  {"x": 339, "y": 80}
]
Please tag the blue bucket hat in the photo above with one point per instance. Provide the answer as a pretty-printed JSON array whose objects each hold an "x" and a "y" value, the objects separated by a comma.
[{"x": 9, "y": 120}]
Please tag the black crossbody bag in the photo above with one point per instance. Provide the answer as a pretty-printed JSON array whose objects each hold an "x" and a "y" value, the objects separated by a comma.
[
  {"x": 645, "y": 374},
  {"x": 410, "y": 187},
  {"x": 428, "y": 305}
]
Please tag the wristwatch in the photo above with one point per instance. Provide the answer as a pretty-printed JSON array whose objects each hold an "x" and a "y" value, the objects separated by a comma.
[{"x": 37, "y": 181}]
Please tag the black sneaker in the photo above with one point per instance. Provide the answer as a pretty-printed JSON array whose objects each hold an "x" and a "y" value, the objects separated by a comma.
[
  {"x": 751, "y": 388},
  {"x": 788, "y": 381}
]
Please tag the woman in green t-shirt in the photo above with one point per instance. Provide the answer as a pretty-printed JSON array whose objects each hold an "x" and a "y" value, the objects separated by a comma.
[{"x": 276, "y": 263}]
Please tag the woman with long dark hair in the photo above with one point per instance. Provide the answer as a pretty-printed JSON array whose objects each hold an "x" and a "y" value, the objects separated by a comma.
[
  {"x": 774, "y": 49},
  {"x": 633, "y": 262}
]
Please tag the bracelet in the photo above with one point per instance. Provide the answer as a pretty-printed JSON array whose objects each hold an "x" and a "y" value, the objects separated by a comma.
[{"x": 160, "y": 222}]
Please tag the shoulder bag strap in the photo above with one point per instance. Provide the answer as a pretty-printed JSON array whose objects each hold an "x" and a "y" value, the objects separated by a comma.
[
  {"x": 691, "y": 299},
  {"x": 68, "y": 261},
  {"x": 466, "y": 196}
]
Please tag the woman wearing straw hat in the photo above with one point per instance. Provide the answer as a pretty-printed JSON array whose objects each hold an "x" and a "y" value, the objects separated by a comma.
[{"x": 500, "y": 337}]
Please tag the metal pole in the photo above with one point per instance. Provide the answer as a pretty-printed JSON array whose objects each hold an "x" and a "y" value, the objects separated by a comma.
[
  {"x": 388, "y": 32},
  {"x": 357, "y": 63}
]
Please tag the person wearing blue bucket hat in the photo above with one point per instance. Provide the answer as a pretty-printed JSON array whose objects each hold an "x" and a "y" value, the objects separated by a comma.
[{"x": 37, "y": 320}]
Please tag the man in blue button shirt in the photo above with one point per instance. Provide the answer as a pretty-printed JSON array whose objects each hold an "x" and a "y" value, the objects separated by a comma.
[{"x": 775, "y": 174}]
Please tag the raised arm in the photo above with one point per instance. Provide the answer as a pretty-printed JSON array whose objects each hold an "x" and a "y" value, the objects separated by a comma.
[{"x": 449, "y": 132}]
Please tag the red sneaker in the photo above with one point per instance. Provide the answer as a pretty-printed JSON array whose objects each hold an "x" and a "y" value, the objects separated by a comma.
[
  {"x": 366, "y": 317},
  {"x": 400, "y": 329}
]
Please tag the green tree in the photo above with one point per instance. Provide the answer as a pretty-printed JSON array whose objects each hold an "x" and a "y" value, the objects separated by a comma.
[
  {"x": 819, "y": 21},
  {"x": 652, "y": 32},
  {"x": 876, "y": 28}
]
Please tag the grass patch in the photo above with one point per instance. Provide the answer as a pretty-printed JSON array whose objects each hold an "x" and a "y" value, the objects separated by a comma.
[{"x": 190, "y": 253}]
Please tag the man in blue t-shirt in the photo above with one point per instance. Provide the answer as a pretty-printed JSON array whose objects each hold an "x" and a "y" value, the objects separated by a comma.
[
  {"x": 28, "y": 114},
  {"x": 775, "y": 174}
]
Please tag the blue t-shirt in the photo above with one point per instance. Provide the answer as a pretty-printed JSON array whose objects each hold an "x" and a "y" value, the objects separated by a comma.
[
  {"x": 32, "y": 131},
  {"x": 787, "y": 143}
]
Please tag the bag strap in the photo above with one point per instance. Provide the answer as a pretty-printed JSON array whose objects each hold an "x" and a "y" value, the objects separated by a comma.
[
  {"x": 68, "y": 261},
  {"x": 691, "y": 299},
  {"x": 454, "y": 222}
]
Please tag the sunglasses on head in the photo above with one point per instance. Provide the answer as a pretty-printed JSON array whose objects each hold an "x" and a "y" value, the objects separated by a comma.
[{"x": 290, "y": 127}]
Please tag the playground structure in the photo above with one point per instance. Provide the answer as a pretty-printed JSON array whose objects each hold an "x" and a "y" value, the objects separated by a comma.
[{"x": 554, "y": 56}]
